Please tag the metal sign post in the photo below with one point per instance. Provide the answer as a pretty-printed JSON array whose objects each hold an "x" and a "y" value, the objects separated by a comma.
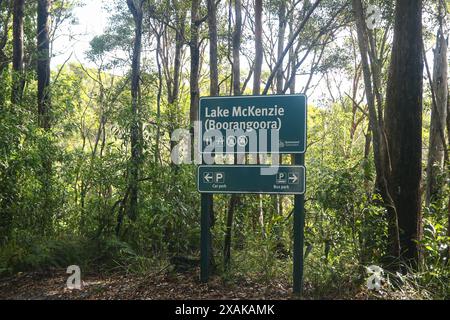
[
  {"x": 299, "y": 229},
  {"x": 205, "y": 237}
]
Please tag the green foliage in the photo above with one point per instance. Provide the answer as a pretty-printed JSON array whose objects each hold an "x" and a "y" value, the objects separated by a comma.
[{"x": 73, "y": 214}]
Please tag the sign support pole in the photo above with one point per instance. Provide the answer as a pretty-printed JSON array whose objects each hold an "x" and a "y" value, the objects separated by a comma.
[
  {"x": 299, "y": 226},
  {"x": 205, "y": 237}
]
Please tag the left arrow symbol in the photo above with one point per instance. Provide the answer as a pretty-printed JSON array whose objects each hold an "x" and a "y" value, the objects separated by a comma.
[{"x": 208, "y": 177}]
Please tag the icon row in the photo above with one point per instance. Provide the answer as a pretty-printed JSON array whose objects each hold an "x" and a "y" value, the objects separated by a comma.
[
  {"x": 217, "y": 177},
  {"x": 288, "y": 178}
]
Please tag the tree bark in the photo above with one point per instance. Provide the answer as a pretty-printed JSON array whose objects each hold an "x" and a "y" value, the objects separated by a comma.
[
  {"x": 403, "y": 119},
  {"x": 43, "y": 64},
  {"x": 257, "y": 82},
  {"x": 173, "y": 96},
  {"x": 234, "y": 200},
  {"x": 214, "y": 71},
  {"x": 437, "y": 143},
  {"x": 379, "y": 143},
  {"x": 135, "y": 7},
  {"x": 237, "y": 48},
  {"x": 195, "y": 61},
  {"x": 448, "y": 171},
  {"x": 280, "y": 44},
  {"x": 44, "y": 108},
  {"x": 258, "y": 48},
  {"x": 18, "y": 81},
  {"x": 213, "y": 92}
]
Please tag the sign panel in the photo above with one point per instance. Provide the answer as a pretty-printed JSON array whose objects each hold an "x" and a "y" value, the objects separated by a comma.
[
  {"x": 249, "y": 179},
  {"x": 253, "y": 124}
]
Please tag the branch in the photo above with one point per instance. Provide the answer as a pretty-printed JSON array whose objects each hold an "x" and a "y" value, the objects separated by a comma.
[{"x": 288, "y": 46}]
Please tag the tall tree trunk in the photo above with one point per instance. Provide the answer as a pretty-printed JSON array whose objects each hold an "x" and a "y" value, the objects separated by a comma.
[
  {"x": 234, "y": 200},
  {"x": 43, "y": 64},
  {"x": 257, "y": 82},
  {"x": 44, "y": 106},
  {"x": 135, "y": 7},
  {"x": 377, "y": 128},
  {"x": 214, "y": 71},
  {"x": 18, "y": 81},
  {"x": 258, "y": 48},
  {"x": 213, "y": 91},
  {"x": 438, "y": 115},
  {"x": 173, "y": 96},
  {"x": 159, "y": 97},
  {"x": 280, "y": 44},
  {"x": 195, "y": 61},
  {"x": 237, "y": 48},
  {"x": 292, "y": 54},
  {"x": 403, "y": 118},
  {"x": 448, "y": 171}
]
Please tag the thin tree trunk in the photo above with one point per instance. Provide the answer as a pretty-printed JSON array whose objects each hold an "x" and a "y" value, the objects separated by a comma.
[
  {"x": 379, "y": 146},
  {"x": 448, "y": 171},
  {"x": 280, "y": 44},
  {"x": 258, "y": 48},
  {"x": 437, "y": 143},
  {"x": 195, "y": 61},
  {"x": 292, "y": 56},
  {"x": 213, "y": 91},
  {"x": 158, "y": 99},
  {"x": 403, "y": 119},
  {"x": 173, "y": 96},
  {"x": 43, "y": 64},
  {"x": 234, "y": 200},
  {"x": 135, "y": 7},
  {"x": 237, "y": 48},
  {"x": 44, "y": 106},
  {"x": 18, "y": 81},
  {"x": 214, "y": 71},
  {"x": 257, "y": 83}
]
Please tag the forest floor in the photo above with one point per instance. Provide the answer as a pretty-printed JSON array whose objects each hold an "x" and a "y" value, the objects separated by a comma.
[{"x": 52, "y": 286}]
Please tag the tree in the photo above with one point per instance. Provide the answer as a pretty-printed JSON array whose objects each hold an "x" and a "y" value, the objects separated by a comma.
[
  {"x": 377, "y": 127},
  {"x": 279, "y": 63},
  {"x": 403, "y": 118},
  {"x": 236, "y": 72},
  {"x": 44, "y": 105},
  {"x": 18, "y": 81},
  {"x": 195, "y": 61},
  {"x": 213, "y": 91},
  {"x": 439, "y": 91},
  {"x": 43, "y": 64},
  {"x": 258, "y": 48},
  {"x": 135, "y": 7},
  {"x": 280, "y": 44}
]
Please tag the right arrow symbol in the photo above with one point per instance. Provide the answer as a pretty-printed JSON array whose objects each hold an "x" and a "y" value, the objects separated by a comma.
[{"x": 293, "y": 178}]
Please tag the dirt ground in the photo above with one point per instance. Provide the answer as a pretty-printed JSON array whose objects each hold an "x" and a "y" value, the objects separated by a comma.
[{"x": 52, "y": 285}]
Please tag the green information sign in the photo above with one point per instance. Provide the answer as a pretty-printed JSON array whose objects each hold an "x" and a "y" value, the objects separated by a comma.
[
  {"x": 255, "y": 124},
  {"x": 251, "y": 179}
]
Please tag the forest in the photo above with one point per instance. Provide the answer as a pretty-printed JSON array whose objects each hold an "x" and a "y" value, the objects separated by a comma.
[{"x": 87, "y": 135}]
